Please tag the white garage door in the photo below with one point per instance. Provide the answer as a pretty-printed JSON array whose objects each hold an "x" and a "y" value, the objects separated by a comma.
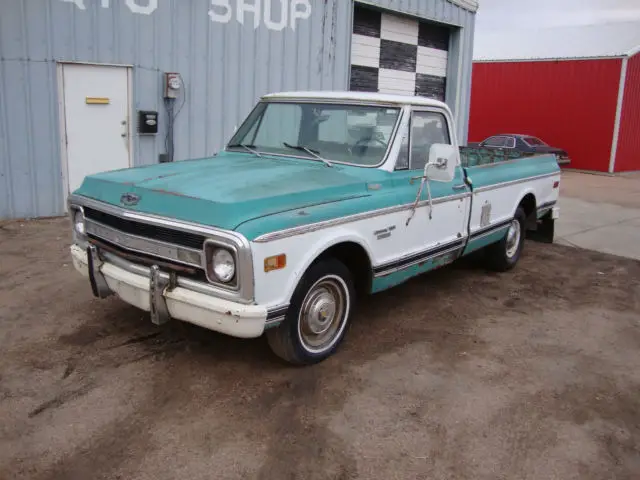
[{"x": 395, "y": 54}]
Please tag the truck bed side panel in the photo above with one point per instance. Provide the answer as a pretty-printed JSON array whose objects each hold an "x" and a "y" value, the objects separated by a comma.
[{"x": 499, "y": 188}]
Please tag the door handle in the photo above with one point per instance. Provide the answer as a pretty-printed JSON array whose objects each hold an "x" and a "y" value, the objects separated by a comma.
[{"x": 462, "y": 186}]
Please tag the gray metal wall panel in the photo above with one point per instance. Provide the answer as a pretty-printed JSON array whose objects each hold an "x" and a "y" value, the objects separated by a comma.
[{"x": 226, "y": 67}]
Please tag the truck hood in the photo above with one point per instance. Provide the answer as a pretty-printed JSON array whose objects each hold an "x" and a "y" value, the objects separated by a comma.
[{"x": 230, "y": 189}]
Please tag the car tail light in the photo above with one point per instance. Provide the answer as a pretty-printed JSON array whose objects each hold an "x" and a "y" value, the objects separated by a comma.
[{"x": 556, "y": 184}]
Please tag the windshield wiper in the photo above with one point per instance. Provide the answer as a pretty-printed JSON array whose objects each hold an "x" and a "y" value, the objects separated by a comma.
[
  {"x": 313, "y": 153},
  {"x": 249, "y": 148}
]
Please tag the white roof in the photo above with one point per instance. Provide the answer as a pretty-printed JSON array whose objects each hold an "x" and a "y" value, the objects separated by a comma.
[
  {"x": 593, "y": 41},
  {"x": 365, "y": 97}
]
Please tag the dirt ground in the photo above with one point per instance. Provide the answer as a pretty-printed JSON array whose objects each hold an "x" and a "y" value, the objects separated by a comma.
[{"x": 462, "y": 374}]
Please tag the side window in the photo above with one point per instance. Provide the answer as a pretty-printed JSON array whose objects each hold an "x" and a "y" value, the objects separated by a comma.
[
  {"x": 510, "y": 142},
  {"x": 427, "y": 128},
  {"x": 495, "y": 142}
]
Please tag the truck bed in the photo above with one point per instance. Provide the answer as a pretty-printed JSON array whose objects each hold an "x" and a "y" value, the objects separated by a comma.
[{"x": 474, "y": 156}]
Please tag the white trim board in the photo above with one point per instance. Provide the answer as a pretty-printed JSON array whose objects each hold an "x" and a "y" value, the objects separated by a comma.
[{"x": 619, "y": 106}]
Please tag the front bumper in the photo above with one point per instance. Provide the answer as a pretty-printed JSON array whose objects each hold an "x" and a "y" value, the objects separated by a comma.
[{"x": 154, "y": 291}]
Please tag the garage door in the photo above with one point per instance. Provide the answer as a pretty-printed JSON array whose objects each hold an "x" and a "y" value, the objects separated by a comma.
[{"x": 396, "y": 54}]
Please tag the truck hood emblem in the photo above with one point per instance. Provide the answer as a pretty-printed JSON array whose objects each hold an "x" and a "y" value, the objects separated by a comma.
[{"x": 129, "y": 199}]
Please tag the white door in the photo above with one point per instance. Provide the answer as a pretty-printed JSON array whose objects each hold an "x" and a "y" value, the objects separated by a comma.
[{"x": 96, "y": 115}]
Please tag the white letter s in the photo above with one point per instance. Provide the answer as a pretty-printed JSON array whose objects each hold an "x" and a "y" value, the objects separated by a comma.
[
  {"x": 151, "y": 7},
  {"x": 220, "y": 17}
]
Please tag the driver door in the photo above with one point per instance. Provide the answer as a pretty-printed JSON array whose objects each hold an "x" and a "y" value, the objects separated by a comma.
[{"x": 430, "y": 239}]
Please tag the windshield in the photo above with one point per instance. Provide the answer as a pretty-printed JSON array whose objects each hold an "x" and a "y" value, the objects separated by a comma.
[
  {"x": 354, "y": 134},
  {"x": 534, "y": 142}
]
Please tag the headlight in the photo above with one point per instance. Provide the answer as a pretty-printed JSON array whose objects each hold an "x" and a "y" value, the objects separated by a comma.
[
  {"x": 223, "y": 265},
  {"x": 78, "y": 222}
]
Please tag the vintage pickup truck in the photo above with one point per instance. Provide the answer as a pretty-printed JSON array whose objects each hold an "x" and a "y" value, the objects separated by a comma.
[{"x": 318, "y": 199}]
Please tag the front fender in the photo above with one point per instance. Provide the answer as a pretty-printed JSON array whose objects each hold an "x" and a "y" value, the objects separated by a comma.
[{"x": 275, "y": 288}]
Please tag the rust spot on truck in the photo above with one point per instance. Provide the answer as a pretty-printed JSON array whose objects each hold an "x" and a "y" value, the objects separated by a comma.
[{"x": 170, "y": 192}]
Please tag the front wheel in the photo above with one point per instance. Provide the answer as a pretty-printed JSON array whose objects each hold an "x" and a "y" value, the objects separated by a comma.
[
  {"x": 318, "y": 315},
  {"x": 504, "y": 255}
]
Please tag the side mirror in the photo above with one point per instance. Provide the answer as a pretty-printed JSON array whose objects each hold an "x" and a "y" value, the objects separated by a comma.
[{"x": 441, "y": 166}]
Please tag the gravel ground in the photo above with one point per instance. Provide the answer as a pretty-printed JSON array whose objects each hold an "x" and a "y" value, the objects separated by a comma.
[{"x": 459, "y": 374}]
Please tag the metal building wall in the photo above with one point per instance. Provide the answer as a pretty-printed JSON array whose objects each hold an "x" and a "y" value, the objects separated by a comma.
[
  {"x": 228, "y": 57},
  {"x": 628, "y": 153},
  {"x": 563, "y": 102}
]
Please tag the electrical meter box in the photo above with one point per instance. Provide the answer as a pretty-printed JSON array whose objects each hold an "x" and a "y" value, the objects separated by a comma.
[{"x": 147, "y": 122}]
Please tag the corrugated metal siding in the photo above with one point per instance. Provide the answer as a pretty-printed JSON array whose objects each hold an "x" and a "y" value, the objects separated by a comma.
[
  {"x": 225, "y": 66},
  {"x": 568, "y": 104},
  {"x": 628, "y": 154}
]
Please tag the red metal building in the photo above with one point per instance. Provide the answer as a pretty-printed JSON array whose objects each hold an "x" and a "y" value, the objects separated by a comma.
[{"x": 585, "y": 98}]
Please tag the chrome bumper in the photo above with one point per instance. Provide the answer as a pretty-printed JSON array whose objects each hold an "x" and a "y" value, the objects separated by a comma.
[{"x": 166, "y": 297}]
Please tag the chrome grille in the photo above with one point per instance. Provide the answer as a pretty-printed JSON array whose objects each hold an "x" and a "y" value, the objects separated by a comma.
[{"x": 175, "y": 237}]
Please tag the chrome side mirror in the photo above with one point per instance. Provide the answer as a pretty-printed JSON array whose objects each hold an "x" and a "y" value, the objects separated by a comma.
[{"x": 442, "y": 162}]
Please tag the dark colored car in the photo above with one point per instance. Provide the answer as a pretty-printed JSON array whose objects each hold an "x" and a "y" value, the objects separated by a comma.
[{"x": 522, "y": 143}]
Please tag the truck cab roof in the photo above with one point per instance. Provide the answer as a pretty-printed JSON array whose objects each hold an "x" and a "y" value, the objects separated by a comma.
[{"x": 364, "y": 97}]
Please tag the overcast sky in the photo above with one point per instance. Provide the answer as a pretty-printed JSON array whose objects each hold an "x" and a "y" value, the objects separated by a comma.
[{"x": 516, "y": 14}]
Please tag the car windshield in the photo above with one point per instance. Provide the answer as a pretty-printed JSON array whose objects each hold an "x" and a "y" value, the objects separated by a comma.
[
  {"x": 354, "y": 134},
  {"x": 534, "y": 142}
]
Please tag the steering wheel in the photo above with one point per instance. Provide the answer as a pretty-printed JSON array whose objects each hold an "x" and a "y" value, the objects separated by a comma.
[
  {"x": 374, "y": 138},
  {"x": 360, "y": 144}
]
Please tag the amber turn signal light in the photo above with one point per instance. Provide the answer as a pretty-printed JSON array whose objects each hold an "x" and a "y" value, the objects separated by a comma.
[{"x": 276, "y": 262}]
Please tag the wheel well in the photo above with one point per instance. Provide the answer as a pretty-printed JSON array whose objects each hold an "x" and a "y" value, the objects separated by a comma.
[
  {"x": 356, "y": 259},
  {"x": 528, "y": 204}
]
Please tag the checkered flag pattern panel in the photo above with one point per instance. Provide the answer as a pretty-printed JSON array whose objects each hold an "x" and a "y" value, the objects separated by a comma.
[{"x": 393, "y": 54}]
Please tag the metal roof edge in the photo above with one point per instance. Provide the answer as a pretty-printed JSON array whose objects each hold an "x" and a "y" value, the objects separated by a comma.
[
  {"x": 549, "y": 59},
  {"x": 471, "y": 5},
  {"x": 635, "y": 50}
]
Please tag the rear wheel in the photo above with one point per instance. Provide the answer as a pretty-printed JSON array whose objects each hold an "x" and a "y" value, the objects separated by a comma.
[
  {"x": 318, "y": 315},
  {"x": 504, "y": 255}
]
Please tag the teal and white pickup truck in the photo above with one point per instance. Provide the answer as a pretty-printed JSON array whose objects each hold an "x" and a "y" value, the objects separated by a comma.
[{"x": 318, "y": 199}]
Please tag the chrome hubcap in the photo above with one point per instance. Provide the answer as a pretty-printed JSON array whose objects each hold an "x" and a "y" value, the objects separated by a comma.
[
  {"x": 513, "y": 238},
  {"x": 322, "y": 314}
]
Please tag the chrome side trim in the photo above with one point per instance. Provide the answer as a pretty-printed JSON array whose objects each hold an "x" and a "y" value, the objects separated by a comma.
[
  {"x": 457, "y": 248},
  {"x": 148, "y": 246},
  {"x": 244, "y": 271},
  {"x": 491, "y": 231},
  {"x": 313, "y": 227},
  {"x": 514, "y": 182}
]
